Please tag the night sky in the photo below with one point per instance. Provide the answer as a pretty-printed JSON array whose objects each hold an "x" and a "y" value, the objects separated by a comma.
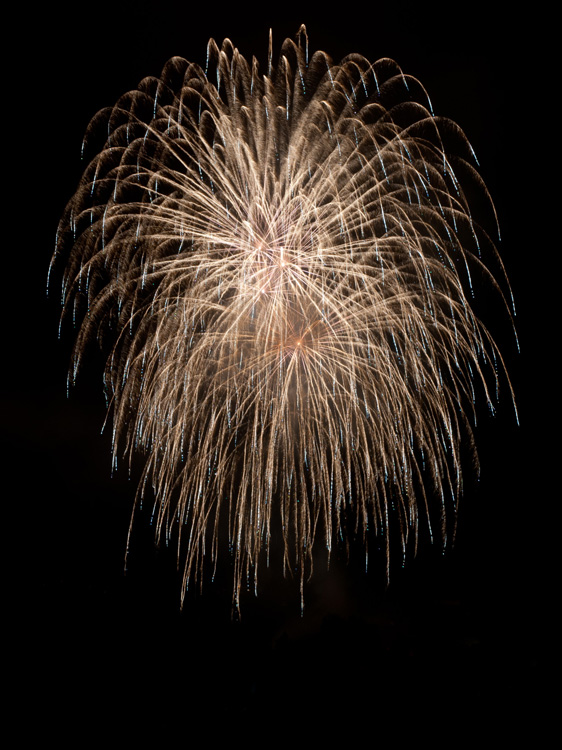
[{"x": 456, "y": 639}]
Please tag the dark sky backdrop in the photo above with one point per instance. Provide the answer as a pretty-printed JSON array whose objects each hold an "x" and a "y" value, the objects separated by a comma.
[{"x": 452, "y": 637}]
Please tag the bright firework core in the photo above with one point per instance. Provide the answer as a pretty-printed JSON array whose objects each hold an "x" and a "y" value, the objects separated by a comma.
[{"x": 281, "y": 263}]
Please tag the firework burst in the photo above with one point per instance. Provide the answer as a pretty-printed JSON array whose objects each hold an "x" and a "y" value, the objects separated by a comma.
[{"x": 282, "y": 265}]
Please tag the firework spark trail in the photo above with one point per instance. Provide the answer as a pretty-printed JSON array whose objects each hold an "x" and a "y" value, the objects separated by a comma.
[{"x": 281, "y": 263}]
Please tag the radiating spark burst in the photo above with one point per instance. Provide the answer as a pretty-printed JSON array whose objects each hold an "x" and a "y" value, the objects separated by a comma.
[{"x": 282, "y": 263}]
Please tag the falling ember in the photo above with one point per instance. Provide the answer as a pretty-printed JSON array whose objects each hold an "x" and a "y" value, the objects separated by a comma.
[{"x": 282, "y": 263}]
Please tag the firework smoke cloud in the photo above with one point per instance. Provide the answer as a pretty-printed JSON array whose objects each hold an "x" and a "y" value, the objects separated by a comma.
[{"x": 278, "y": 264}]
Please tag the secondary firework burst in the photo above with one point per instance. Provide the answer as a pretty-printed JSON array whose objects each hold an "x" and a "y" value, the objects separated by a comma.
[{"x": 281, "y": 262}]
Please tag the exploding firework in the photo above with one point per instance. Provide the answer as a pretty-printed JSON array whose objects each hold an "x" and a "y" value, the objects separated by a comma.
[{"x": 281, "y": 263}]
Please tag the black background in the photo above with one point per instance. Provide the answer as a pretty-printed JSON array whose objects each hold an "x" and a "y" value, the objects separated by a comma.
[{"x": 455, "y": 641}]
